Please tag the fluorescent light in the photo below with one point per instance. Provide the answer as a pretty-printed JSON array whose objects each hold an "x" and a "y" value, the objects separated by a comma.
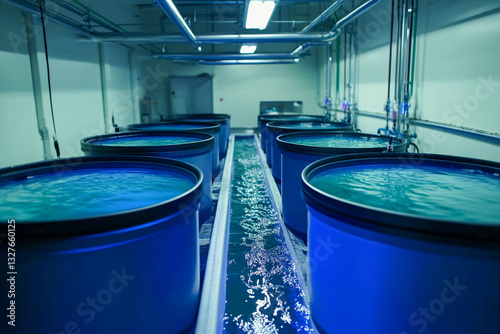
[
  {"x": 258, "y": 13},
  {"x": 248, "y": 48}
]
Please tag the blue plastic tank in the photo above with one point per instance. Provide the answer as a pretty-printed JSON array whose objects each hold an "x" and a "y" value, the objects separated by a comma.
[
  {"x": 102, "y": 245},
  {"x": 275, "y": 129},
  {"x": 223, "y": 120},
  {"x": 266, "y": 118},
  {"x": 211, "y": 128},
  {"x": 299, "y": 149},
  {"x": 191, "y": 147},
  {"x": 404, "y": 243}
]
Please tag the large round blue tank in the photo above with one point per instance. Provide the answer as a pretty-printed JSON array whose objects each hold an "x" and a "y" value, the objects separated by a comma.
[
  {"x": 300, "y": 149},
  {"x": 211, "y": 128},
  {"x": 266, "y": 118},
  {"x": 404, "y": 243},
  {"x": 102, "y": 245},
  {"x": 278, "y": 128},
  {"x": 223, "y": 120},
  {"x": 191, "y": 147}
]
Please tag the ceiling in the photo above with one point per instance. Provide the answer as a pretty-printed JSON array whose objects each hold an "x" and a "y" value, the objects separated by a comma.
[{"x": 145, "y": 24}]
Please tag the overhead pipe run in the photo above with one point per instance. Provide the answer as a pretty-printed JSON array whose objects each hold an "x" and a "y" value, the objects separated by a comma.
[
  {"x": 295, "y": 54},
  {"x": 33, "y": 8},
  {"x": 329, "y": 11},
  {"x": 237, "y": 56},
  {"x": 355, "y": 13},
  {"x": 304, "y": 47},
  {"x": 139, "y": 38},
  {"x": 169, "y": 8},
  {"x": 310, "y": 40},
  {"x": 250, "y": 61}
]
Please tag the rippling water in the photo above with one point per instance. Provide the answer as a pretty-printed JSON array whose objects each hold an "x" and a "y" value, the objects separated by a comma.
[
  {"x": 263, "y": 294},
  {"x": 311, "y": 125},
  {"x": 340, "y": 141},
  {"x": 434, "y": 192},
  {"x": 88, "y": 193},
  {"x": 146, "y": 141},
  {"x": 173, "y": 127}
]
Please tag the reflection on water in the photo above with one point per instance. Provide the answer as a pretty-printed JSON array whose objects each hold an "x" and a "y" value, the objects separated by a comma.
[
  {"x": 88, "y": 193},
  {"x": 429, "y": 191},
  {"x": 146, "y": 141},
  {"x": 263, "y": 294},
  {"x": 340, "y": 141}
]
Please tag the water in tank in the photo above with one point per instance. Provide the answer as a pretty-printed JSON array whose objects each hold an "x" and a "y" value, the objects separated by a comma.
[
  {"x": 404, "y": 243},
  {"x": 223, "y": 119},
  {"x": 102, "y": 245},
  {"x": 212, "y": 128},
  {"x": 299, "y": 149},
  {"x": 191, "y": 147},
  {"x": 263, "y": 119},
  {"x": 277, "y": 128}
]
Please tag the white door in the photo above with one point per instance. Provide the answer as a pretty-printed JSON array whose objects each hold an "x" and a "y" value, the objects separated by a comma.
[{"x": 191, "y": 95}]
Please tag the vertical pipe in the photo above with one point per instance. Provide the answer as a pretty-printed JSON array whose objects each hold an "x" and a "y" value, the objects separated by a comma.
[
  {"x": 329, "y": 11},
  {"x": 401, "y": 69},
  {"x": 396, "y": 66},
  {"x": 354, "y": 81},
  {"x": 390, "y": 53},
  {"x": 337, "y": 88},
  {"x": 37, "y": 89},
  {"x": 409, "y": 80},
  {"x": 133, "y": 91},
  {"x": 388, "y": 102},
  {"x": 345, "y": 65},
  {"x": 328, "y": 76},
  {"x": 414, "y": 38},
  {"x": 104, "y": 87}
]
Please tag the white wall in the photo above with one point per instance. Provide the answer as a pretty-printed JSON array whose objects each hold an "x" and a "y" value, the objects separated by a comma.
[
  {"x": 457, "y": 77},
  {"x": 76, "y": 89},
  {"x": 19, "y": 138},
  {"x": 242, "y": 87}
]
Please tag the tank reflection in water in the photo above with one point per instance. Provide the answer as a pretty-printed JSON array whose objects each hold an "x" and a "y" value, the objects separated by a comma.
[{"x": 263, "y": 294}]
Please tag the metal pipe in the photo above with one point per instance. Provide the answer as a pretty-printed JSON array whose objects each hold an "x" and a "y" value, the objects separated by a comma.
[
  {"x": 356, "y": 13},
  {"x": 329, "y": 11},
  {"x": 91, "y": 17},
  {"x": 390, "y": 56},
  {"x": 137, "y": 38},
  {"x": 224, "y": 56},
  {"x": 32, "y": 8},
  {"x": 250, "y": 61},
  {"x": 484, "y": 137},
  {"x": 304, "y": 47},
  {"x": 328, "y": 77},
  {"x": 169, "y": 8},
  {"x": 402, "y": 66},
  {"x": 104, "y": 87},
  {"x": 36, "y": 81}
]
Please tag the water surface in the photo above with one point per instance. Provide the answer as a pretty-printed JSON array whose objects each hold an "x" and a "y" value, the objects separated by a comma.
[
  {"x": 263, "y": 294},
  {"x": 88, "y": 193},
  {"x": 463, "y": 195}
]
